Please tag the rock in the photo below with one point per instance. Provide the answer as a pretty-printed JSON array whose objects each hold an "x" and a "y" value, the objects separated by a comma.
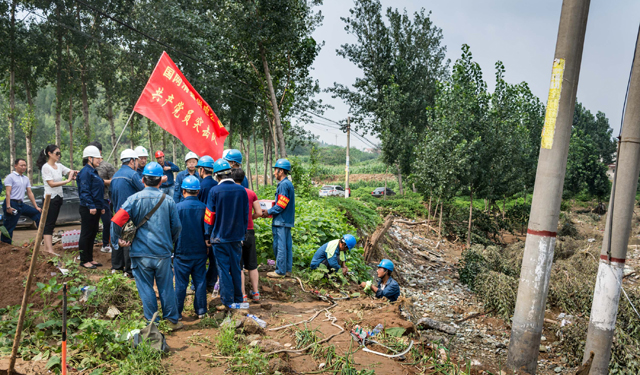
[
  {"x": 266, "y": 306},
  {"x": 270, "y": 345},
  {"x": 475, "y": 362},
  {"x": 543, "y": 349},
  {"x": 277, "y": 365},
  {"x": 267, "y": 289},
  {"x": 628, "y": 270},
  {"x": 252, "y": 328},
  {"x": 558, "y": 369},
  {"x": 228, "y": 321},
  {"x": 251, "y": 338},
  {"x": 113, "y": 312},
  {"x": 434, "y": 324},
  {"x": 287, "y": 345},
  {"x": 543, "y": 338},
  {"x": 254, "y": 343}
]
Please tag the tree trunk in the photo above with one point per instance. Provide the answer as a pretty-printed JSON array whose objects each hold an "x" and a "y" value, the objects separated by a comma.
[
  {"x": 248, "y": 163},
  {"x": 429, "y": 215},
  {"x": 413, "y": 185},
  {"x": 384, "y": 196},
  {"x": 173, "y": 148},
  {"x": 265, "y": 159},
  {"x": 485, "y": 205},
  {"x": 112, "y": 126},
  {"x": 85, "y": 104},
  {"x": 274, "y": 105},
  {"x": 28, "y": 132},
  {"x": 70, "y": 131},
  {"x": 504, "y": 204},
  {"x": 150, "y": 135},
  {"x": 272, "y": 131},
  {"x": 272, "y": 181},
  {"x": 470, "y": 218},
  {"x": 59, "y": 80},
  {"x": 400, "y": 180},
  {"x": 164, "y": 141},
  {"x": 132, "y": 132},
  {"x": 255, "y": 154},
  {"x": 12, "y": 88},
  {"x": 440, "y": 224}
]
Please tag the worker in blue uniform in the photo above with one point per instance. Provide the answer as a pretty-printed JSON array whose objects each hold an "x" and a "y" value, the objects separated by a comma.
[
  {"x": 168, "y": 168},
  {"x": 234, "y": 157},
  {"x": 333, "y": 254},
  {"x": 124, "y": 183},
  {"x": 205, "y": 169},
  {"x": 143, "y": 156},
  {"x": 387, "y": 286},
  {"x": 190, "y": 257},
  {"x": 190, "y": 160},
  {"x": 283, "y": 213},
  {"x": 226, "y": 219},
  {"x": 152, "y": 247}
]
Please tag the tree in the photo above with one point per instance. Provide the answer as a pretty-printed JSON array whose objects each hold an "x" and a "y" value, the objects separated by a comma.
[
  {"x": 598, "y": 129},
  {"x": 585, "y": 169},
  {"x": 402, "y": 62}
]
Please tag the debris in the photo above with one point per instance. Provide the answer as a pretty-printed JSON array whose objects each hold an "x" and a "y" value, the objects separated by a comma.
[
  {"x": 590, "y": 240},
  {"x": 254, "y": 343},
  {"x": 265, "y": 306},
  {"x": 258, "y": 321},
  {"x": 543, "y": 349},
  {"x": 434, "y": 324},
  {"x": 112, "y": 312},
  {"x": 372, "y": 241},
  {"x": 558, "y": 369},
  {"x": 628, "y": 270},
  {"x": 321, "y": 366}
]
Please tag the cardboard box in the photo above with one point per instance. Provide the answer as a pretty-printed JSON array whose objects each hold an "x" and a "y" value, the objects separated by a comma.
[{"x": 266, "y": 204}]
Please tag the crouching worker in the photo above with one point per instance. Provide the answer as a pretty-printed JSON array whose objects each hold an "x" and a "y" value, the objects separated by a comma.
[
  {"x": 190, "y": 258},
  {"x": 333, "y": 254},
  {"x": 387, "y": 287}
]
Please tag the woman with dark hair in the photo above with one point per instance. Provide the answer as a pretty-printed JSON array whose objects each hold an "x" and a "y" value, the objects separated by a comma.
[
  {"x": 52, "y": 173},
  {"x": 92, "y": 204}
]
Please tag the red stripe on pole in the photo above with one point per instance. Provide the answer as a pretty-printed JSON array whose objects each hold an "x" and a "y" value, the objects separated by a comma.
[
  {"x": 615, "y": 260},
  {"x": 541, "y": 233}
]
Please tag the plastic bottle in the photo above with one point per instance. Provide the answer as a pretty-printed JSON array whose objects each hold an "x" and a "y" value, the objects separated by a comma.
[
  {"x": 259, "y": 321},
  {"x": 377, "y": 330},
  {"x": 236, "y": 306}
]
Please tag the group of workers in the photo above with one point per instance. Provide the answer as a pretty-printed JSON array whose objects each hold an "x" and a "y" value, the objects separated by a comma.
[{"x": 206, "y": 213}]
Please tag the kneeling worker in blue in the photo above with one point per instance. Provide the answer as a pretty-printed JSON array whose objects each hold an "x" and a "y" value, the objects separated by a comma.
[
  {"x": 387, "y": 286},
  {"x": 190, "y": 258},
  {"x": 333, "y": 254}
]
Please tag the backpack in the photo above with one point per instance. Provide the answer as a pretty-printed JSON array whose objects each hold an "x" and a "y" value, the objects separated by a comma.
[{"x": 152, "y": 336}]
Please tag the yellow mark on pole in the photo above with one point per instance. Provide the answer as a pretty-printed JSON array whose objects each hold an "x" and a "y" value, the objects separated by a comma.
[{"x": 553, "y": 102}]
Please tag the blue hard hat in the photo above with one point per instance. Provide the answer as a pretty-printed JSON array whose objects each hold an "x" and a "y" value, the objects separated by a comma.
[
  {"x": 205, "y": 162},
  {"x": 283, "y": 164},
  {"x": 221, "y": 165},
  {"x": 349, "y": 240},
  {"x": 233, "y": 155},
  {"x": 153, "y": 169},
  {"x": 386, "y": 264},
  {"x": 190, "y": 183}
]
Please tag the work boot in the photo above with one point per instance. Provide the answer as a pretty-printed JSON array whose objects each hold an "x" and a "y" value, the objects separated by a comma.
[
  {"x": 174, "y": 326},
  {"x": 275, "y": 275}
]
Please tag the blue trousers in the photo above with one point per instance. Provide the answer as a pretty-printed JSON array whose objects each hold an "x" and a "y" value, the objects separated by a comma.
[
  {"x": 228, "y": 257},
  {"x": 212, "y": 270},
  {"x": 146, "y": 271},
  {"x": 168, "y": 190},
  {"x": 282, "y": 249},
  {"x": 11, "y": 221},
  {"x": 196, "y": 268}
]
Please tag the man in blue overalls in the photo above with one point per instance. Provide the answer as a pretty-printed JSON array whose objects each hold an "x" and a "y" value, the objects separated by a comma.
[
  {"x": 190, "y": 160},
  {"x": 387, "y": 286},
  {"x": 234, "y": 157},
  {"x": 168, "y": 169},
  {"x": 205, "y": 170},
  {"x": 226, "y": 220},
  {"x": 283, "y": 212},
  {"x": 333, "y": 254},
  {"x": 190, "y": 257}
]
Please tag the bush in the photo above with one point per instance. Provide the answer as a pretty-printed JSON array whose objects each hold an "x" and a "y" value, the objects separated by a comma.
[{"x": 498, "y": 291}]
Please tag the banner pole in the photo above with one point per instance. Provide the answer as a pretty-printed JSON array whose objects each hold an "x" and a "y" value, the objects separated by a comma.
[{"x": 122, "y": 132}]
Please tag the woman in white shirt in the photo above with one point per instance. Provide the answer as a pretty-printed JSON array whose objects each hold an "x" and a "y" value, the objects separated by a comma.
[{"x": 52, "y": 173}]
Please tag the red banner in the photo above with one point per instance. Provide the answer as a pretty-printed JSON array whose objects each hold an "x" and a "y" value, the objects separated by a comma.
[{"x": 170, "y": 101}]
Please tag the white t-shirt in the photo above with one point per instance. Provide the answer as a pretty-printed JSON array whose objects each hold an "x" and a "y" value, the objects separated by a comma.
[{"x": 55, "y": 175}]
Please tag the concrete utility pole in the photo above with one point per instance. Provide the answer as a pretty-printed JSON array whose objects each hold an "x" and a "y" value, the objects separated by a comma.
[
  {"x": 547, "y": 193},
  {"x": 346, "y": 182},
  {"x": 616, "y": 234}
]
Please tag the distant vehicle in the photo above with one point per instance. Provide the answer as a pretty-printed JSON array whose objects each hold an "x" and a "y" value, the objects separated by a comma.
[
  {"x": 69, "y": 212},
  {"x": 332, "y": 191},
  {"x": 379, "y": 192}
]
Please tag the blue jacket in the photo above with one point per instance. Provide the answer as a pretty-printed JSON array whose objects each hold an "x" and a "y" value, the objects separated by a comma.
[
  {"x": 156, "y": 237},
  {"x": 284, "y": 211},
  {"x": 91, "y": 189},
  {"x": 124, "y": 184},
  {"x": 321, "y": 255},
  {"x": 169, "y": 174},
  {"x": 245, "y": 182},
  {"x": 177, "y": 190},
  {"x": 227, "y": 215},
  {"x": 139, "y": 172},
  {"x": 391, "y": 291},
  {"x": 205, "y": 185},
  {"x": 191, "y": 243}
]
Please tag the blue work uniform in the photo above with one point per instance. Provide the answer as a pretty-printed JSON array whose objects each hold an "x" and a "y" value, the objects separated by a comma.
[
  {"x": 190, "y": 257},
  {"x": 139, "y": 172},
  {"x": 330, "y": 255},
  {"x": 167, "y": 187},
  {"x": 245, "y": 182},
  {"x": 283, "y": 212},
  {"x": 226, "y": 220},
  {"x": 151, "y": 249},
  {"x": 91, "y": 189},
  {"x": 177, "y": 189},
  {"x": 391, "y": 290},
  {"x": 205, "y": 185},
  {"x": 124, "y": 183}
]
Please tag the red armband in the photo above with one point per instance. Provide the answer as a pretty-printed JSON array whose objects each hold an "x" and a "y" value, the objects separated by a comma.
[
  {"x": 209, "y": 217},
  {"x": 120, "y": 218},
  {"x": 282, "y": 201}
]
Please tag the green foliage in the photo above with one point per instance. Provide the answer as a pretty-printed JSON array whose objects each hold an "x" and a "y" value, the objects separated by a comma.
[
  {"x": 143, "y": 360},
  {"x": 357, "y": 213},
  {"x": 227, "y": 343},
  {"x": 472, "y": 264},
  {"x": 498, "y": 291},
  {"x": 585, "y": 170}
]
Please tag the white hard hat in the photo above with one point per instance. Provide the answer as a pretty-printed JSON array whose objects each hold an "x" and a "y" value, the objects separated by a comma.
[
  {"x": 91, "y": 152},
  {"x": 141, "y": 151},
  {"x": 191, "y": 155},
  {"x": 128, "y": 154}
]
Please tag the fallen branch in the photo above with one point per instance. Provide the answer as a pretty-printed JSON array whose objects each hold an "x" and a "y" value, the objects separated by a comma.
[
  {"x": 329, "y": 318},
  {"x": 424, "y": 222},
  {"x": 474, "y": 316},
  {"x": 434, "y": 324},
  {"x": 372, "y": 242}
]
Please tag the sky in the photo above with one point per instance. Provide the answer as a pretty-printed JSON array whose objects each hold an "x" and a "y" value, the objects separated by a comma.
[{"x": 522, "y": 34}]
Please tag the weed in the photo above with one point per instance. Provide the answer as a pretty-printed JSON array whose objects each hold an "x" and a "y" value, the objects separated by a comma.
[
  {"x": 143, "y": 360},
  {"x": 249, "y": 361},
  {"x": 226, "y": 340},
  {"x": 209, "y": 322},
  {"x": 305, "y": 337}
]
